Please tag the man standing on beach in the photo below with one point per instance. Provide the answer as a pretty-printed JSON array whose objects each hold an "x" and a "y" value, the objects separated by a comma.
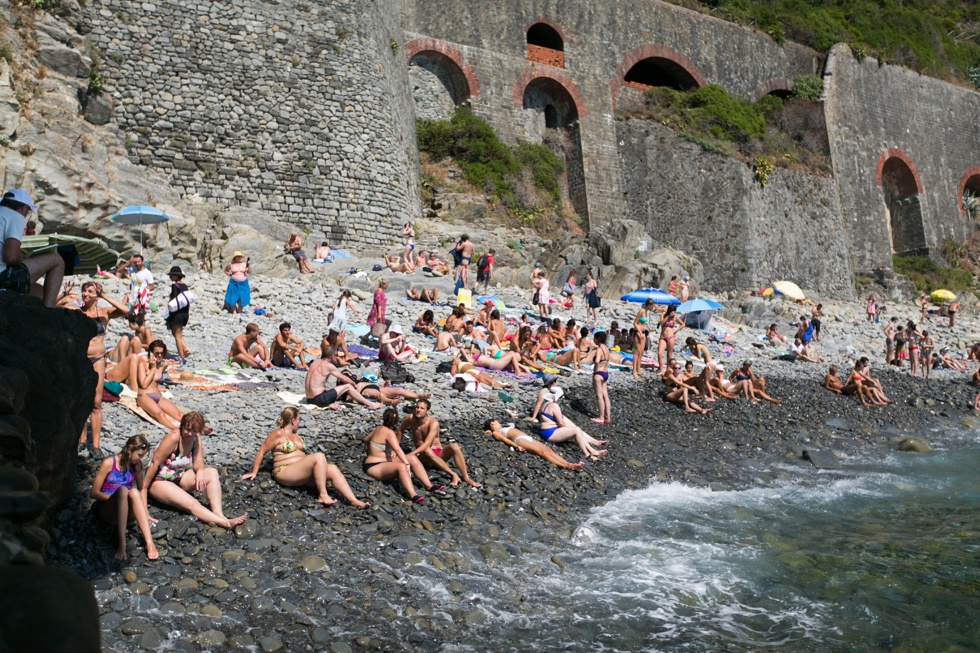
[
  {"x": 890, "y": 339},
  {"x": 140, "y": 285},
  {"x": 465, "y": 250},
  {"x": 19, "y": 274},
  {"x": 317, "y": 392},
  {"x": 484, "y": 270},
  {"x": 248, "y": 349},
  {"x": 428, "y": 448}
]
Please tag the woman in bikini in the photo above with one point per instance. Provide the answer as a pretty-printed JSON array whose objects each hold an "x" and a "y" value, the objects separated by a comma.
[
  {"x": 463, "y": 364},
  {"x": 756, "y": 384},
  {"x": 600, "y": 379},
  {"x": 423, "y": 295},
  {"x": 91, "y": 294},
  {"x": 900, "y": 352},
  {"x": 721, "y": 385},
  {"x": 178, "y": 468},
  {"x": 698, "y": 349},
  {"x": 592, "y": 301},
  {"x": 563, "y": 357},
  {"x": 384, "y": 459},
  {"x": 134, "y": 344},
  {"x": 555, "y": 428},
  {"x": 386, "y": 394},
  {"x": 116, "y": 502},
  {"x": 293, "y": 467},
  {"x": 857, "y": 384},
  {"x": 699, "y": 381},
  {"x": 641, "y": 328},
  {"x": 426, "y": 325},
  {"x": 499, "y": 359},
  {"x": 150, "y": 371},
  {"x": 926, "y": 345},
  {"x": 670, "y": 324},
  {"x": 456, "y": 322},
  {"x": 521, "y": 441},
  {"x": 523, "y": 343}
]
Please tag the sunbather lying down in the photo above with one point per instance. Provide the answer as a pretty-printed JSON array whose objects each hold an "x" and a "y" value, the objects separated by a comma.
[{"x": 512, "y": 437}]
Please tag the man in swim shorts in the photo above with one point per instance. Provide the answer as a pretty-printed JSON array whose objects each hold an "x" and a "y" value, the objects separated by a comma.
[
  {"x": 248, "y": 349},
  {"x": 428, "y": 447},
  {"x": 317, "y": 392},
  {"x": 465, "y": 249}
]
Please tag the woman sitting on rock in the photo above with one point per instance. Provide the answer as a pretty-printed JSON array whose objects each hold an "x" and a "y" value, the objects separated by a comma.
[
  {"x": 178, "y": 468},
  {"x": 564, "y": 357},
  {"x": 385, "y": 460},
  {"x": 498, "y": 359},
  {"x": 116, "y": 502},
  {"x": 150, "y": 371},
  {"x": 428, "y": 295},
  {"x": 520, "y": 440},
  {"x": 756, "y": 384},
  {"x": 395, "y": 264},
  {"x": 293, "y": 467},
  {"x": 725, "y": 387},
  {"x": 134, "y": 344}
]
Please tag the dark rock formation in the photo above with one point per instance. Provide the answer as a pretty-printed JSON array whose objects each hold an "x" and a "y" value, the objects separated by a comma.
[{"x": 46, "y": 391}]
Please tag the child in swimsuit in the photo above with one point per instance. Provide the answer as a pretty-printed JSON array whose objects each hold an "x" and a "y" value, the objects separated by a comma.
[{"x": 116, "y": 502}]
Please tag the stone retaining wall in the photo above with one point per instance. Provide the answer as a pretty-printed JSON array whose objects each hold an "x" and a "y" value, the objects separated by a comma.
[{"x": 299, "y": 109}]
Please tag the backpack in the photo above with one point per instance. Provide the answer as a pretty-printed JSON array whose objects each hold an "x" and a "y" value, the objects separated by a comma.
[
  {"x": 396, "y": 373},
  {"x": 483, "y": 262}
]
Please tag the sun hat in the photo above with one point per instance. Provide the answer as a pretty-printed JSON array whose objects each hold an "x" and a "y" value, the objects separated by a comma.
[
  {"x": 396, "y": 328},
  {"x": 555, "y": 394},
  {"x": 687, "y": 278},
  {"x": 237, "y": 254},
  {"x": 20, "y": 195},
  {"x": 548, "y": 379},
  {"x": 175, "y": 271}
]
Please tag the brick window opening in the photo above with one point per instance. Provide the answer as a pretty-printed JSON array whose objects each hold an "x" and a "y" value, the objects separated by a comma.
[
  {"x": 545, "y": 46},
  {"x": 657, "y": 71}
]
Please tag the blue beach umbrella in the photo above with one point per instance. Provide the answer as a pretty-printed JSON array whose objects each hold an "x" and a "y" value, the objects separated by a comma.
[
  {"x": 698, "y": 305},
  {"x": 697, "y": 313},
  {"x": 658, "y": 296},
  {"x": 140, "y": 215}
]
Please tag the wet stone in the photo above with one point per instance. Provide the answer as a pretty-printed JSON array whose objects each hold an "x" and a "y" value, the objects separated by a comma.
[{"x": 212, "y": 638}]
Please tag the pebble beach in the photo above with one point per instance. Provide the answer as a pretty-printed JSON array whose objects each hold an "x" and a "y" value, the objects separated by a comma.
[{"x": 300, "y": 576}]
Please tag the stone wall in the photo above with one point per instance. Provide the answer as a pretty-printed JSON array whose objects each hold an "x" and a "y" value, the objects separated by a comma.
[
  {"x": 299, "y": 109},
  {"x": 930, "y": 132},
  {"x": 711, "y": 207},
  {"x": 601, "y": 42}
]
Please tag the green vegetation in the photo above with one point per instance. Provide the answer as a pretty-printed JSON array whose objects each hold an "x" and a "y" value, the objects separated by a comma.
[
  {"x": 927, "y": 275},
  {"x": 808, "y": 86},
  {"x": 938, "y": 37},
  {"x": 783, "y": 133},
  {"x": 971, "y": 204},
  {"x": 488, "y": 163},
  {"x": 95, "y": 82}
]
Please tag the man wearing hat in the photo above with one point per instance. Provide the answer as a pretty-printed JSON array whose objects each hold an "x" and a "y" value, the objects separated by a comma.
[
  {"x": 19, "y": 274},
  {"x": 177, "y": 320},
  {"x": 392, "y": 345}
]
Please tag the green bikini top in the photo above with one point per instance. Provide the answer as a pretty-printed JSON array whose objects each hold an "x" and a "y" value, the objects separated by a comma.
[{"x": 289, "y": 446}]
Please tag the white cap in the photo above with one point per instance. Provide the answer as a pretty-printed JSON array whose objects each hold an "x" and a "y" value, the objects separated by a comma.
[{"x": 396, "y": 328}]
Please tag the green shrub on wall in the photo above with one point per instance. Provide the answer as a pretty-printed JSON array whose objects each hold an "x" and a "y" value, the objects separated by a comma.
[{"x": 808, "y": 86}]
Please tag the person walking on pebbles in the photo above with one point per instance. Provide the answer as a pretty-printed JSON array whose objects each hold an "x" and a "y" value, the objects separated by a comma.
[
  {"x": 177, "y": 469},
  {"x": 116, "y": 502},
  {"x": 249, "y": 350},
  {"x": 293, "y": 467},
  {"x": 424, "y": 430}
]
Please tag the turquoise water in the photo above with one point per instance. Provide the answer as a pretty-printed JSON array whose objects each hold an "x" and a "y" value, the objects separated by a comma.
[{"x": 885, "y": 559}]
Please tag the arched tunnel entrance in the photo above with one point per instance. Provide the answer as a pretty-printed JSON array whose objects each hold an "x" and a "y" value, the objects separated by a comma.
[
  {"x": 900, "y": 190},
  {"x": 660, "y": 71},
  {"x": 552, "y": 108},
  {"x": 439, "y": 85}
]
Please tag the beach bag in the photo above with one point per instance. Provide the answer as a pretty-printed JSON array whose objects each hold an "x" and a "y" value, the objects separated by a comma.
[
  {"x": 483, "y": 263},
  {"x": 444, "y": 367},
  {"x": 181, "y": 301},
  {"x": 535, "y": 297},
  {"x": 454, "y": 252},
  {"x": 396, "y": 373}
]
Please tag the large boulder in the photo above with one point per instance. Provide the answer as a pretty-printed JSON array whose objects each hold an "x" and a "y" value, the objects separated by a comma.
[{"x": 63, "y": 59}]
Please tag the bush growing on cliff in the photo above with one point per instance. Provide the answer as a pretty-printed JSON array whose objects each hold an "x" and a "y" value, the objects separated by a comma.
[
  {"x": 486, "y": 161},
  {"x": 808, "y": 86},
  {"x": 787, "y": 133}
]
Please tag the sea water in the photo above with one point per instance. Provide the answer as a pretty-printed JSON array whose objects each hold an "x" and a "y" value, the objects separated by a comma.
[{"x": 878, "y": 558}]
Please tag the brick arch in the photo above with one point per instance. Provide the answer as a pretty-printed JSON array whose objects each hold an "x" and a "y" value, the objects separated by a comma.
[
  {"x": 637, "y": 55},
  {"x": 553, "y": 25},
  {"x": 536, "y": 71},
  {"x": 770, "y": 85},
  {"x": 971, "y": 172},
  {"x": 895, "y": 153},
  {"x": 422, "y": 45}
]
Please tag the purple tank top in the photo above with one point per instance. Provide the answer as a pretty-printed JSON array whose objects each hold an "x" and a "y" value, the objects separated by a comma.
[{"x": 116, "y": 479}]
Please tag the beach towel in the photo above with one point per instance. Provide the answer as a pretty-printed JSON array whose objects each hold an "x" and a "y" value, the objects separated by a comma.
[
  {"x": 299, "y": 401},
  {"x": 362, "y": 351},
  {"x": 128, "y": 399}
]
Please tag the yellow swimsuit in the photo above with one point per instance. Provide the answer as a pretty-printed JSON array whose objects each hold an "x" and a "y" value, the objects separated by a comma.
[{"x": 288, "y": 447}]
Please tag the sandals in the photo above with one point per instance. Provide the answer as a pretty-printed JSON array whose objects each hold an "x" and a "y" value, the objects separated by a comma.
[{"x": 418, "y": 499}]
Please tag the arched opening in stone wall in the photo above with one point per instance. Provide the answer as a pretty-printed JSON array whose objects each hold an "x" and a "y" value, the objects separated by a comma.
[
  {"x": 545, "y": 45},
  {"x": 552, "y": 116},
  {"x": 969, "y": 195},
  {"x": 900, "y": 188},
  {"x": 659, "y": 71},
  {"x": 438, "y": 85}
]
